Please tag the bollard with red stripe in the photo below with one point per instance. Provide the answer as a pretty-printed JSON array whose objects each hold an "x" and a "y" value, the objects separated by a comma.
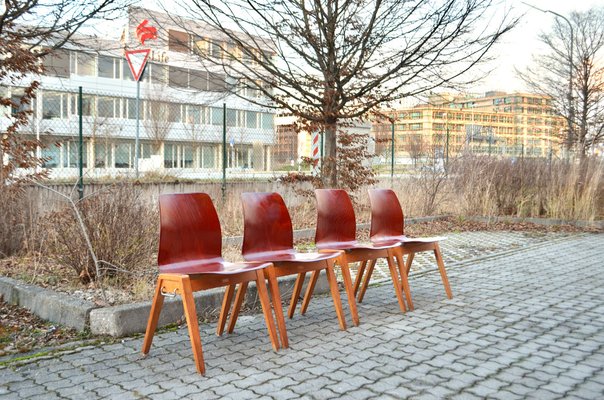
[{"x": 314, "y": 149}]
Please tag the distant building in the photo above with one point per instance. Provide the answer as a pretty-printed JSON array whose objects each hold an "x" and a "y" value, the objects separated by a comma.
[
  {"x": 508, "y": 124},
  {"x": 181, "y": 108}
]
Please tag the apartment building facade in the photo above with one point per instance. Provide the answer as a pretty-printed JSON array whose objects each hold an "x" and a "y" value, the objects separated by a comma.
[
  {"x": 498, "y": 123},
  {"x": 182, "y": 109}
]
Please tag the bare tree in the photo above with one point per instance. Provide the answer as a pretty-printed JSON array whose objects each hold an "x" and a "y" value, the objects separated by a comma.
[
  {"x": 159, "y": 117},
  {"x": 416, "y": 148},
  {"x": 29, "y": 31},
  {"x": 549, "y": 75},
  {"x": 334, "y": 60}
]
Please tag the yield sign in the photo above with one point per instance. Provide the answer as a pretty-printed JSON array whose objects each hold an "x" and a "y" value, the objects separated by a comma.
[{"x": 137, "y": 59}]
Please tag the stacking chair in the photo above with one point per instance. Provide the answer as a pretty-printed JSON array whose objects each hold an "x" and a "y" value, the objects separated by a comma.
[
  {"x": 268, "y": 237},
  {"x": 336, "y": 230},
  {"x": 387, "y": 226},
  {"x": 190, "y": 260}
]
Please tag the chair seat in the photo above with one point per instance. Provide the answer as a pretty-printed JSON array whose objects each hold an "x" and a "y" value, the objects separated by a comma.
[
  {"x": 355, "y": 245},
  {"x": 215, "y": 266},
  {"x": 289, "y": 256},
  {"x": 402, "y": 239}
]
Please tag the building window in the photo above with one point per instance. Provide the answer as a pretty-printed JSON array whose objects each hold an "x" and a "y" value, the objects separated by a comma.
[
  {"x": 251, "y": 119},
  {"x": 231, "y": 117},
  {"x": 178, "y": 41},
  {"x": 126, "y": 73},
  {"x": 106, "y": 107},
  {"x": 86, "y": 64},
  {"x": 107, "y": 67},
  {"x": 129, "y": 110},
  {"x": 178, "y": 77},
  {"x": 267, "y": 121},
  {"x": 217, "y": 114},
  {"x": 123, "y": 155},
  {"x": 54, "y": 105},
  {"x": 198, "y": 80},
  {"x": 207, "y": 155},
  {"x": 71, "y": 154},
  {"x": 102, "y": 155},
  {"x": 216, "y": 82},
  {"x": 57, "y": 64},
  {"x": 51, "y": 155}
]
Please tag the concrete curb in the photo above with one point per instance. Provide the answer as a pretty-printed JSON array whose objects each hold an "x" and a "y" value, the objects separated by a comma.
[
  {"x": 127, "y": 319},
  {"x": 56, "y": 307}
]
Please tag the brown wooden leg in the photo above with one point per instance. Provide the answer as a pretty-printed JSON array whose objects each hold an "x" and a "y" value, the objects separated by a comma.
[
  {"x": 366, "y": 281},
  {"x": 296, "y": 294},
  {"x": 158, "y": 301},
  {"x": 278, "y": 308},
  {"x": 359, "y": 277},
  {"x": 441, "y": 269},
  {"x": 237, "y": 306},
  {"x": 191, "y": 317},
  {"x": 224, "y": 311},
  {"x": 404, "y": 277},
  {"x": 309, "y": 291},
  {"x": 409, "y": 261},
  {"x": 352, "y": 304},
  {"x": 266, "y": 309},
  {"x": 335, "y": 294},
  {"x": 395, "y": 281}
]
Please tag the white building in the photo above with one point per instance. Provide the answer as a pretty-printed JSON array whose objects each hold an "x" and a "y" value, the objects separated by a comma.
[{"x": 181, "y": 107}]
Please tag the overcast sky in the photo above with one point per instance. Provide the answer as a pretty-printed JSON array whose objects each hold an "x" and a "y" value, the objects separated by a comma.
[{"x": 517, "y": 48}]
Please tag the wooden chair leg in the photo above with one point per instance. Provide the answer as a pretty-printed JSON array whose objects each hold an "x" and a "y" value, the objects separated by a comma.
[
  {"x": 237, "y": 306},
  {"x": 366, "y": 281},
  {"x": 410, "y": 257},
  {"x": 277, "y": 307},
  {"x": 191, "y": 316},
  {"x": 335, "y": 294},
  {"x": 404, "y": 278},
  {"x": 296, "y": 294},
  {"x": 158, "y": 301},
  {"x": 352, "y": 304},
  {"x": 395, "y": 281},
  {"x": 441, "y": 269},
  {"x": 359, "y": 277},
  {"x": 224, "y": 310},
  {"x": 309, "y": 291},
  {"x": 266, "y": 309}
]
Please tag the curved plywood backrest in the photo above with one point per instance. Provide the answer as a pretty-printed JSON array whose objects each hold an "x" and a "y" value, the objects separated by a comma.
[
  {"x": 386, "y": 214},
  {"x": 335, "y": 217},
  {"x": 189, "y": 228},
  {"x": 267, "y": 224}
]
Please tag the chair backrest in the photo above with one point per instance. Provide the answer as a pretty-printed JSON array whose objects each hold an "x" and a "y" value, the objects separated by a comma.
[
  {"x": 267, "y": 226},
  {"x": 336, "y": 222},
  {"x": 387, "y": 217},
  {"x": 189, "y": 229}
]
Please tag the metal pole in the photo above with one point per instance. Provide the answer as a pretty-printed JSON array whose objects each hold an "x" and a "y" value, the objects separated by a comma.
[
  {"x": 136, "y": 140},
  {"x": 224, "y": 150},
  {"x": 81, "y": 146},
  {"x": 447, "y": 148},
  {"x": 392, "y": 151}
]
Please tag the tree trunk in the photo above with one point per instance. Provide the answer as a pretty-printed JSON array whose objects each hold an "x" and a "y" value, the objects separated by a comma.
[{"x": 329, "y": 170}]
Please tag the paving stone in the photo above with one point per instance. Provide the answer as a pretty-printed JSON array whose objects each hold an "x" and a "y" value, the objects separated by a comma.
[{"x": 531, "y": 329}]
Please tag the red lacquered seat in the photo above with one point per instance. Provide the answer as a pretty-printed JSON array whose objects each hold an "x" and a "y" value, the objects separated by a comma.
[
  {"x": 336, "y": 230},
  {"x": 268, "y": 237},
  {"x": 388, "y": 226},
  {"x": 190, "y": 259}
]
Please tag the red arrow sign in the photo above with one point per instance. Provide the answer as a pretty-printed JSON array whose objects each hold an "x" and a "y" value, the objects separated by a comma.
[{"x": 144, "y": 32}]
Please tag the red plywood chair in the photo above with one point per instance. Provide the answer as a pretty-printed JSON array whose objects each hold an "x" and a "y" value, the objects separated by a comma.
[
  {"x": 190, "y": 259},
  {"x": 268, "y": 237},
  {"x": 336, "y": 230},
  {"x": 388, "y": 225}
]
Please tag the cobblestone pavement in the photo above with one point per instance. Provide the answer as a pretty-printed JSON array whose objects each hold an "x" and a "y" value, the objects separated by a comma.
[{"x": 526, "y": 324}]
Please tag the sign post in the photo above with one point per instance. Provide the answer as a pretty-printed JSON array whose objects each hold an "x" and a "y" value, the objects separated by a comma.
[{"x": 137, "y": 60}]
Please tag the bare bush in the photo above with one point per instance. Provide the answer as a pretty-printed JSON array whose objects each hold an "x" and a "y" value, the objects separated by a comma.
[
  {"x": 529, "y": 187},
  {"x": 13, "y": 219},
  {"x": 123, "y": 230}
]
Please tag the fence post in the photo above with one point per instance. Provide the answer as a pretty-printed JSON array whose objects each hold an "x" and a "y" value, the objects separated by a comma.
[
  {"x": 392, "y": 152},
  {"x": 224, "y": 150},
  {"x": 81, "y": 146}
]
